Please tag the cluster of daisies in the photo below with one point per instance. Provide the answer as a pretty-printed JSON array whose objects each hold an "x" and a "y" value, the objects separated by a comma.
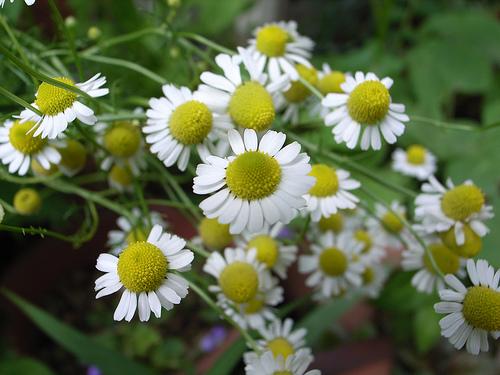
[{"x": 255, "y": 182}]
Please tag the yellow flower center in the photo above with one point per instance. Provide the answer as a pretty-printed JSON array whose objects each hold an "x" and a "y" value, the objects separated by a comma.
[
  {"x": 239, "y": 282},
  {"x": 462, "y": 201},
  {"x": 122, "y": 139},
  {"x": 38, "y": 170},
  {"x": 52, "y": 100},
  {"x": 333, "y": 262},
  {"x": 368, "y": 275},
  {"x": 392, "y": 223},
  {"x": 415, "y": 155},
  {"x": 272, "y": 40},
  {"x": 364, "y": 237},
  {"x": 280, "y": 346},
  {"x": 254, "y": 306},
  {"x": 121, "y": 175},
  {"x": 369, "y": 102},
  {"x": 136, "y": 235},
  {"x": 267, "y": 249},
  {"x": 27, "y": 201},
  {"x": 334, "y": 222},
  {"x": 253, "y": 175},
  {"x": 142, "y": 267},
  {"x": 297, "y": 91},
  {"x": 446, "y": 260},
  {"x": 330, "y": 83},
  {"x": 282, "y": 373},
  {"x": 251, "y": 106},
  {"x": 191, "y": 122},
  {"x": 327, "y": 182},
  {"x": 23, "y": 142},
  {"x": 214, "y": 234},
  {"x": 480, "y": 308},
  {"x": 73, "y": 155},
  {"x": 472, "y": 244}
]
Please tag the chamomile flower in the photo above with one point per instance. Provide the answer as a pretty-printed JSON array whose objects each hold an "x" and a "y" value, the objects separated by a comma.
[
  {"x": 130, "y": 232},
  {"x": 427, "y": 278},
  {"x": 213, "y": 235},
  {"x": 180, "y": 120},
  {"x": 334, "y": 266},
  {"x": 270, "y": 251},
  {"x": 329, "y": 81},
  {"x": 143, "y": 271},
  {"x": 441, "y": 208},
  {"x": 261, "y": 184},
  {"x": 60, "y": 107},
  {"x": 389, "y": 224},
  {"x": 18, "y": 147},
  {"x": 372, "y": 244},
  {"x": 268, "y": 364},
  {"x": 343, "y": 220},
  {"x": 330, "y": 191},
  {"x": 27, "y": 2},
  {"x": 471, "y": 313},
  {"x": 120, "y": 177},
  {"x": 246, "y": 103},
  {"x": 415, "y": 161},
  {"x": 27, "y": 201},
  {"x": 374, "y": 277},
  {"x": 279, "y": 47},
  {"x": 73, "y": 156},
  {"x": 365, "y": 110},
  {"x": 240, "y": 277}
]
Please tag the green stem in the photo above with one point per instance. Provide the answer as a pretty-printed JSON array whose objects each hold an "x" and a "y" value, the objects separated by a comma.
[
  {"x": 89, "y": 137},
  {"x": 8, "y": 207},
  {"x": 144, "y": 207},
  {"x": 303, "y": 232},
  {"x": 121, "y": 116},
  {"x": 452, "y": 126},
  {"x": 198, "y": 250},
  {"x": 206, "y": 42},
  {"x": 19, "y": 100},
  {"x": 166, "y": 202},
  {"x": 42, "y": 232},
  {"x": 27, "y": 180},
  {"x": 311, "y": 88}
]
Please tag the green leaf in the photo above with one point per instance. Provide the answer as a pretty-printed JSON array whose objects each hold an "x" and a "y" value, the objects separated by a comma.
[
  {"x": 87, "y": 350},
  {"x": 426, "y": 329},
  {"x": 23, "y": 366}
]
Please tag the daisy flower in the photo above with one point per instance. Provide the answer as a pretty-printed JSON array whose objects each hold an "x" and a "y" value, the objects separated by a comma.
[
  {"x": 389, "y": 225},
  {"x": 143, "y": 272},
  {"x": 213, "y": 235},
  {"x": 130, "y": 232},
  {"x": 415, "y": 161},
  {"x": 330, "y": 191},
  {"x": 260, "y": 185},
  {"x": 372, "y": 244},
  {"x": 120, "y": 177},
  {"x": 270, "y": 251},
  {"x": 241, "y": 278},
  {"x": 28, "y": 2},
  {"x": 268, "y": 364},
  {"x": 471, "y": 313},
  {"x": 180, "y": 120},
  {"x": 18, "y": 147},
  {"x": 245, "y": 102},
  {"x": 344, "y": 220},
  {"x": 374, "y": 277},
  {"x": 334, "y": 265},
  {"x": 329, "y": 81},
  {"x": 367, "y": 108},
  {"x": 442, "y": 208},
  {"x": 27, "y": 201},
  {"x": 73, "y": 156},
  {"x": 279, "y": 47},
  {"x": 60, "y": 107}
]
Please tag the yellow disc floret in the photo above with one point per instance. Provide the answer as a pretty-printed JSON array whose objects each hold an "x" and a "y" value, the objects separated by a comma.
[
  {"x": 254, "y": 306},
  {"x": 392, "y": 222},
  {"x": 214, "y": 235},
  {"x": 446, "y": 260},
  {"x": 73, "y": 155},
  {"x": 191, "y": 122},
  {"x": 23, "y": 141},
  {"x": 267, "y": 249},
  {"x": 330, "y": 83},
  {"x": 282, "y": 373},
  {"x": 368, "y": 275},
  {"x": 327, "y": 182},
  {"x": 253, "y": 175},
  {"x": 122, "y": 139},
  {"x": 142, "y": 267},
  {"x": 239, "y": 282},
  {"x": 415, "y": 154},
  {"x": 52, "y": 100},
  {"x": 364, "y": 237},
  {"x": 121, "y": 175},
  {"x": 272, "y": 40},
  {"x": 462, "y": 201},
  {"x": 471, "y": 246},
  {"x": 280, "y": 347},
  {"x": 334, "y": 223},
  {"x": 333, "y": 262},
  {"x": 251, "y": 106},
  {"x": 480, "y": 308},
  {"x": 39, "y": 170},
  {"x": 369, "y": 102},
  {"x": 27, "y": 201},
  {"x": 298, "y": 92}
]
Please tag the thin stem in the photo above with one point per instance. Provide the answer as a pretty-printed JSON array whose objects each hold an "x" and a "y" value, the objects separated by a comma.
[
  {"x": 19, "y": 100},
  {"x": 8, "y": 207},
  {"x": 144, "y": 207},
  {"x": 206, "y": 42},
  {"x": 166, "y": 202},
  {"x": 311, "y": 88},
  {"x": 303, "y": 232},
  {"x": 452, "y": 126},
  {"x": 27, "y": 180},
  {"x": 42, "y": 232},
  {"x": 198, "y": 250}
]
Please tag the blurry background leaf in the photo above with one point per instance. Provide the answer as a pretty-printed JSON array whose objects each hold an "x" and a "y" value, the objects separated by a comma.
[
  {"x": 426, "y": 330},
  {"x": 23, "y": 366}
]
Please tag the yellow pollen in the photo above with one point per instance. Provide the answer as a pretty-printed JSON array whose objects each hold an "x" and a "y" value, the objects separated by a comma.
[
  {"x": 446, "y": 260},
  {"x": 121, "y": 175},
  {"x": 272, "y": 40},
  {"x": 254, "y": 306},
  {"x": 415, "y": 155},
  {"x": 253, "y": 175},
  {"x": 191, "y": 122},
  {"x": 52, "y": 100},
  {"x": 27, "y": 201},
  {"x": 333, "y": 262},
  {"x": 392, "y": 223},
  {"x": 282, "y": 373},
  {"x": 334, "y": 223},
  {"x": 214, "y": 235},
  {"x": 280, "y": 346},
  {"x": 239, "y": 282},
  {"x": 327, "y": 182},
  {"x": 122, "y": 139},
  {"x": 364, "y": 237},
  {"x": 38, "y": 170},
  {"x": 267, "y": 249},
  {"x": 368, "y": 275},
  {"x": 480, "y": 308},
  {"x": 369, "y": 102},
  {"x": 462, "y": 201},
  {"x": 330, "y": 83},
  {"x": 298, "y": 92},
  {"x": 142, "y": 267},
  {"x": 73, "y": 155},
  {"x": 471, "y": 247},
  {"x": 23, "y": 142},
  {"x": 251, "y": 106},
  {"x": 136, "y": 235}
]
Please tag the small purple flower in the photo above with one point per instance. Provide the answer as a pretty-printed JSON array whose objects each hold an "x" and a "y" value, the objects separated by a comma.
[
  {"x": 286, "y": 233},
  {"x": 213, "y": 339},
  {"x": 92, "y": 370}
]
